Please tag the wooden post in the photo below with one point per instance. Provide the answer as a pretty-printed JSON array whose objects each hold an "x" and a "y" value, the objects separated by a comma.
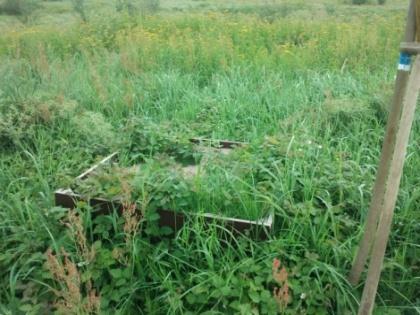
[
  {"x": 392, "y": 187},
  {"x": 386, "y": 156}
]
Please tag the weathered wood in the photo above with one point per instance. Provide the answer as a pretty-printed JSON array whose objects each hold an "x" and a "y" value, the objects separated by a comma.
[
  {"x": 392, "y": 187},
  {"x": 380, "y": 182},
  {"x": 410, "y": 28},
  {"x": 225, "y": 144},
  {"x": 410, "y": 48},
  {"x": 258, "y": 229},
  {"x": 417, "y": 26},
  {"x": 94, "y": 167},
  {"x": 383, "y": 169}
]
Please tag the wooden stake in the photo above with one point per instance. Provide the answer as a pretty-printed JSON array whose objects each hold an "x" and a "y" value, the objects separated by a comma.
[
  {"x": 380, "y": 182},
  {"x": 392, "y": 187},
  {"x": 386, "y": 155}
]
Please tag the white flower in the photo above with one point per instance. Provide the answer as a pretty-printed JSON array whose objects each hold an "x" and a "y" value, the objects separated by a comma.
[{"x": 303, "y": 296}]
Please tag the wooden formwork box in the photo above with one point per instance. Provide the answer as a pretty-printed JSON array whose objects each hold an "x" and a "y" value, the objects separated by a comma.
[{"x": 259, "y": 229}]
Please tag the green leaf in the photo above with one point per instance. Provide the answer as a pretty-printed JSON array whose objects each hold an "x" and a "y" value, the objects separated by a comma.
[
  {"x": 199, "y": 289},
  {"x": 121, "y": 282},
  {"x": 165, "y": 230},
  {"x": 386, "y": 311},
  {"x": 255, "y": 297},
  {"x": 116, "y": 273},
  {"x": 86, "y": 276},
  {"x": 216, "y": 294},
  {"x": 265, "y": 296},
  {"x": 218, "y": 281},
  {"x": 235, "y": 305},
  {"x": 26, "y": 308},
  {"x": 226, "y": 291},
  {"x": 311, "y": 256},
  {"x": 191, "y": 298},
  {"x": 126, "y": 273},
  {"x": 153, "y": 216}
]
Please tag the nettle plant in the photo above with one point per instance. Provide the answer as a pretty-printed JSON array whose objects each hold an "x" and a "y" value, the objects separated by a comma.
[{"x": 147, "y": 138}]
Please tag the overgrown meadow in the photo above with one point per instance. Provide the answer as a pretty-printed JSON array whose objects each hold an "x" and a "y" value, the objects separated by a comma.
[{"x": 306, "y": 85}]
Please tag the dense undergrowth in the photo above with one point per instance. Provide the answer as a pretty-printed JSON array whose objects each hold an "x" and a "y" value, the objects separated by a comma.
[{"x": 310, "y": 97}]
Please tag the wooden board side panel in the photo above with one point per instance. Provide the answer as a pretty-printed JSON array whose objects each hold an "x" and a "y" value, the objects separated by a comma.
[
  {"x": 226, "y": 144},
  {"x": 169, "y": 218}
]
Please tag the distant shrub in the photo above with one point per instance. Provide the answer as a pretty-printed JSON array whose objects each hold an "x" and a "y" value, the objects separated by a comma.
[
  {"x": 359, "y": 2},
  {"x": 381, "y": 2},
  {"x": 79, "y": 7},
  {"x": 125, "y": 5},
  {"x": 18, "y": 7},
  {"x": 13, "y": 7},
  {"x": 330, "y": 8},
  {"x": 150, "y": 6},
  {"x": 270, "y": 11},
  {"x": 143, "y": 6}
]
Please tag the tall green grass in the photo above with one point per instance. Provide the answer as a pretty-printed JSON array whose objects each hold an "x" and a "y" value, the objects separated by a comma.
[{"x": 312, "y": 93}]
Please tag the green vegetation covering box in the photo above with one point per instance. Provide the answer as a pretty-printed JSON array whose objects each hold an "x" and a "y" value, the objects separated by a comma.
[{"x": 161, "y": 184}]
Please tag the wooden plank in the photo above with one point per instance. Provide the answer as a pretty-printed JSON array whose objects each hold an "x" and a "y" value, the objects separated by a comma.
[
  {"x": 410, "y": 48},
  {"x": 259, "y": 229},
  {"x": 417, "y": 10},
  {"x": 386, "y": 155},
  {"x": 391, "y": 193},
  {"x": 410, "y": 28},
  {"x": 226, "y": 144},
  {"x": 94, "y": 167}
]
